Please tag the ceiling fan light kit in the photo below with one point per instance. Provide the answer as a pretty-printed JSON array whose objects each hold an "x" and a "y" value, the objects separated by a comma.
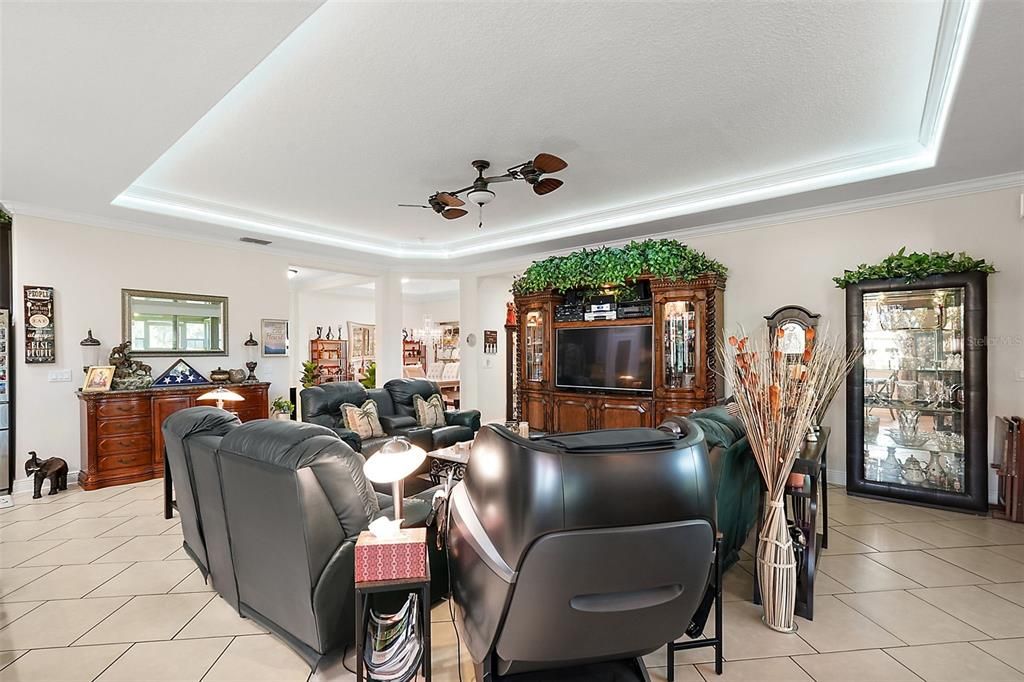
[{"x": 448, "y": 204}]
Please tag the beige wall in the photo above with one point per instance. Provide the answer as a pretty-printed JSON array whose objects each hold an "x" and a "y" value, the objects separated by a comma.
[
  {"x": 88, "y": 267},
  {"x": 794, "y": 263}
]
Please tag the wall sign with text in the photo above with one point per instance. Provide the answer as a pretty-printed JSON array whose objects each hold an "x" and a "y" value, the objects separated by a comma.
[{"x": 40, "y": 336}]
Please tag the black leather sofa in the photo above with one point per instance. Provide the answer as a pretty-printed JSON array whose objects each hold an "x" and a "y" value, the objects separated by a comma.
[
  {"x": 271, "y": 511},
  {"x": 322, "y": 405},
  {"x": 574, "y": 555}
]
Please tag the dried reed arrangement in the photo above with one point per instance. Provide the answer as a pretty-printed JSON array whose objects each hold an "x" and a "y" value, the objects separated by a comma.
[{"x": 777, "y": 402}]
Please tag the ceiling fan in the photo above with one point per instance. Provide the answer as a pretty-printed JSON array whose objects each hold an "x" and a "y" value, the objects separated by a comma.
[{"x": 449, "y": 205}]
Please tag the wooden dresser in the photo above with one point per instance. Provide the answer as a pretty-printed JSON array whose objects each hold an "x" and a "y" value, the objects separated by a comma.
[{"x": 121, "y": 437}]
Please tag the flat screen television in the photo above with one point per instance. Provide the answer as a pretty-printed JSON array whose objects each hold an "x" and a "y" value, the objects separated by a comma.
[{"x": 608, "y": 358}]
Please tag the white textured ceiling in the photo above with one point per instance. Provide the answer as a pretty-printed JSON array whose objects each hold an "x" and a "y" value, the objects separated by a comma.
[{"x": 669, "y": 114}]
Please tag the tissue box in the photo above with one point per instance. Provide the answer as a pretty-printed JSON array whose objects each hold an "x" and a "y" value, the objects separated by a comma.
[{"x": 399, "y": 558}]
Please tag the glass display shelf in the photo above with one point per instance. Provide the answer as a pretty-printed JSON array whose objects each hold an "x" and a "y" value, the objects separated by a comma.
[
  {"x": 913, "y": 388},
  {"x": 679, "y": 339},
  {"x": 533, "y": 344}
]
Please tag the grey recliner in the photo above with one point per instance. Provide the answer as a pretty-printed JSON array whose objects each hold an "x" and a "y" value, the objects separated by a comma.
[
  {"x": 579, "y": 553},
  {"x": 191, "y": 439},
  {"x": 322, "y": 405},
  {"x": 294, "y": 500}
]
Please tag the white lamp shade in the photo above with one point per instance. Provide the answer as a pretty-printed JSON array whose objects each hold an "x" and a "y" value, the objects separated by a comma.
[
  {"x": 480, "y": 196},
  {"x": 221, "y": 394},
  {"x": 393, "y": 462}
]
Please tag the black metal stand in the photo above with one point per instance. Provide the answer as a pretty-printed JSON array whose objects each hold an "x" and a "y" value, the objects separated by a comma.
[
  {"x": 715, "y": 641},
  {"x": 363, "y": 591}
]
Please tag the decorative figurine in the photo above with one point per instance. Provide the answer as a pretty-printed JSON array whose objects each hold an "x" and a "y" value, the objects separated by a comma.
[
  {"x": 328, "y": 333},
  {"x": 128, "y": 373},
  {"x": 319, "y": 332},
  {"x": 55, "y": 469},
  {"x": 510, "y": 313}
]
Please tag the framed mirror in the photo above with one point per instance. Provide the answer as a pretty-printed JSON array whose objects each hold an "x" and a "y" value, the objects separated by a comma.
[
  {"x": 165, "y": 323},
  {"x": 794, "y": 321}
]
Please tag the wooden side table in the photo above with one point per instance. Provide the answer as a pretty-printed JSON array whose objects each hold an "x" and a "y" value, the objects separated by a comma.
[
  {"x": 421, "y": 586},
  {"x": 802, "y": 509}
]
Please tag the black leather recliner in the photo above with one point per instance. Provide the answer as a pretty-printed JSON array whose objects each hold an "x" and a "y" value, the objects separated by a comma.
[
  {"x": 294, "y": 500},
  {"x": 322, "y": 405},
  {"x": 589, "y": 549},
  {"x": 191, "y": 439}
]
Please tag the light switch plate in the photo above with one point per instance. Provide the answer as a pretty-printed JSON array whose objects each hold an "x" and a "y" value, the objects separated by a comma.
[{"x": 59, "y": 375}]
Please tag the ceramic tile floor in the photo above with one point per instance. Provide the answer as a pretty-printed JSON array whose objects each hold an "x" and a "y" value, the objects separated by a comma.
[{"x": 95, "y": 586}]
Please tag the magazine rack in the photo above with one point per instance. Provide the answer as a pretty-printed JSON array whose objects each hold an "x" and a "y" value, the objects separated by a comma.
[{"x": 421, "y": 586}]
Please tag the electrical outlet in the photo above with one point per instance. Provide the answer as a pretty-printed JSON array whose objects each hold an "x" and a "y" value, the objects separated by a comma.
[
  {"x": 1020, "y": 375},
  {"x": 59, "y": 375}
]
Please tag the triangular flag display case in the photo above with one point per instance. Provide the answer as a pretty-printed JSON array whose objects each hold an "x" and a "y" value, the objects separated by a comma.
[{"x": 178, "y": 374}]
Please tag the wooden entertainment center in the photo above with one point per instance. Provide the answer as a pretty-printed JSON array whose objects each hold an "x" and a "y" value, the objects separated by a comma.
[{"x": 687, "y": 325}]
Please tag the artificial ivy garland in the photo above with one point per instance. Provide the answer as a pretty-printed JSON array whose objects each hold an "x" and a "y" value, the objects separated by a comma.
[
  {"x": 914, "y": 266},
  {"x": 617, "y": 267}
]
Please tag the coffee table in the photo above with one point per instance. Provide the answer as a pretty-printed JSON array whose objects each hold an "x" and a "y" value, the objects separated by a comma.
[{"x": 450, "y": 459}]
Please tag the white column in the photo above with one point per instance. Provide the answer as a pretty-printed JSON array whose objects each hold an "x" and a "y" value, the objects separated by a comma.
[
  {"x": 388, "y": 313},
  {"x": 469, "y": 323}
]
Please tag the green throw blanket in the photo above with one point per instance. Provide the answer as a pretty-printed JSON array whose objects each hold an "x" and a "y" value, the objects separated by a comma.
[{"x": 737, "y": 479}]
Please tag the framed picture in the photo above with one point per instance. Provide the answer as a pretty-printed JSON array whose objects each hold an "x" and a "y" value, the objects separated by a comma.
[
  {"x": 362, "y": 345},
  {"x": 98, "y": 379},
  {"x": 274, "y": 338}
]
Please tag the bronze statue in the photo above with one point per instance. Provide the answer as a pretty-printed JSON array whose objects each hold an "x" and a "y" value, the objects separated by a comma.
[
  {"x": 55, "y": 469},
  {"x": 128, "y": 373}
]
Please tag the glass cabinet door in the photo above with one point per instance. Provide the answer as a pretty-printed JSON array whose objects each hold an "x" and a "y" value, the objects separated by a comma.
[
  {"x": 914, "y": 388},
  {"x": 680, "y": 344},
  {"x": 533, "y": 346}
]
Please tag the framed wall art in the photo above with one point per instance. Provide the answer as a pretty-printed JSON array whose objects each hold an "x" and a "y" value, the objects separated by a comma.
[
  {"x": 362, "y": 345},
  {"x": 98, "y": 379},
  {"x": 274, "y": 338},
  {"x": 40, "y": 334}
]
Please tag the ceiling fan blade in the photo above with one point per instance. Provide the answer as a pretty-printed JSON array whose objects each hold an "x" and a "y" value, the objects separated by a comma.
[
  {"x": 549, "y": 163},
  {"x": 499, "y": 178},
  {"x": 450, "y": 199},
  {"x": 413, "y": 206},
  {"x": 453, "y": 213},
  {"x": 542, "y": 187}
]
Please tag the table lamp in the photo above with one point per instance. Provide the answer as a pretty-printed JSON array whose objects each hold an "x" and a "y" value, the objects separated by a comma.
[
  {"x": 397, "y": 459},
  {"x": 250, "y": 347},
  {"x": 221, "y": 395},
  {"x": 90, "y": 352}
]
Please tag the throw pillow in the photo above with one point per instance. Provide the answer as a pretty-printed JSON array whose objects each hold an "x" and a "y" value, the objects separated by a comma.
[
  {"x": 430, "y": 412},
  {"x": 363, "y": 420}
]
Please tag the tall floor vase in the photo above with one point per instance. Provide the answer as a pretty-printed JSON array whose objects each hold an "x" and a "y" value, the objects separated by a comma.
[{"x": 776, "y": 569}]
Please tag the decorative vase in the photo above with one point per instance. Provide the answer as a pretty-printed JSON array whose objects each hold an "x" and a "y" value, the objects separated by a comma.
[
  {"x": 776, "y": 569},
  {"x": 282, "y": 416},
  {"x": 913, "y": 472},
  {"x": 220, "y": 375},
  {"x": 237, "y": 376},
  {"x": 891, "y": 468},
  {"x": 871, "y": 428}
]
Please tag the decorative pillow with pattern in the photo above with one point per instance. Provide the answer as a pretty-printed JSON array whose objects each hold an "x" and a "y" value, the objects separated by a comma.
[
  {"x": 363, "y": 420},
  {"x": 430, "y": 412}
]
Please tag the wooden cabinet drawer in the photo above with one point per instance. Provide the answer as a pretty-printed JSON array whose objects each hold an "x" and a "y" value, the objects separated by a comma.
[
  {"x": 126, "y": 460},
  {"x": 123, "y": 408},
  {"x": 250, "y": 415},
  {"x": 116, "y": 445},
  {"x": 120, "y": 427}
]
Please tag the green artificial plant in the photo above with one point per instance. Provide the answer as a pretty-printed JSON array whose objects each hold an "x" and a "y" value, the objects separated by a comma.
[
  {"x": 282, "y": 405},
  {"x": 369, "y": 379},
  {"x": 914, "y": 266},
  {"x": 310, "y": 372},
  {"x": 615, "y": 267}
]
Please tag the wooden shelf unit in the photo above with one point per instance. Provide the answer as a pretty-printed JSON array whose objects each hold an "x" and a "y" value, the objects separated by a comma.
[
  {"x": 331, "y": 355},
  {"x": 687, "y": 326},
  {"x": 414, "y": 353}
]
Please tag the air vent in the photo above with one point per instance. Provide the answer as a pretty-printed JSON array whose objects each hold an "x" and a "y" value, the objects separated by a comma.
[{"x": 254, "y": 240}]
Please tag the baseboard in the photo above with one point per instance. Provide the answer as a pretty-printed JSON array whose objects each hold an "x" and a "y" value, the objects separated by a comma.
[
  {"x": 836, "y": 477},
  {"x": 24, "y": 485}
]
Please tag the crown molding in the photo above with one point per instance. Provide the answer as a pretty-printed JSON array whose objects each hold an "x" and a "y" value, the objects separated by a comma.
[{"x": 504, "y": 265}]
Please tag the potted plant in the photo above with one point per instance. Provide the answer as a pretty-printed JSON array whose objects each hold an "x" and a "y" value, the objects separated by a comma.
[
  {"x": 282, "y": 408},
  {"x": 310, "y": 373},
  {"x": 369, "y": 379}
]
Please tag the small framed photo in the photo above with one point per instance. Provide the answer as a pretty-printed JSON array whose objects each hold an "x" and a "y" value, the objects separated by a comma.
[
  {"x": 274, "y": 338},
  {"x": 98, "y": 379}
]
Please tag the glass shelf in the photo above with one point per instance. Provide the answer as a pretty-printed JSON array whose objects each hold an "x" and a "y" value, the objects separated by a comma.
[
  {"x": 533, "y": 343},
  {"x": 913, "y": 388},
  {"x": 679, "y": 339}
]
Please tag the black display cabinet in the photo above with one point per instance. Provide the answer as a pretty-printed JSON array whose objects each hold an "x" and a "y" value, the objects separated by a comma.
[{"x": 917, "y": 401}]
